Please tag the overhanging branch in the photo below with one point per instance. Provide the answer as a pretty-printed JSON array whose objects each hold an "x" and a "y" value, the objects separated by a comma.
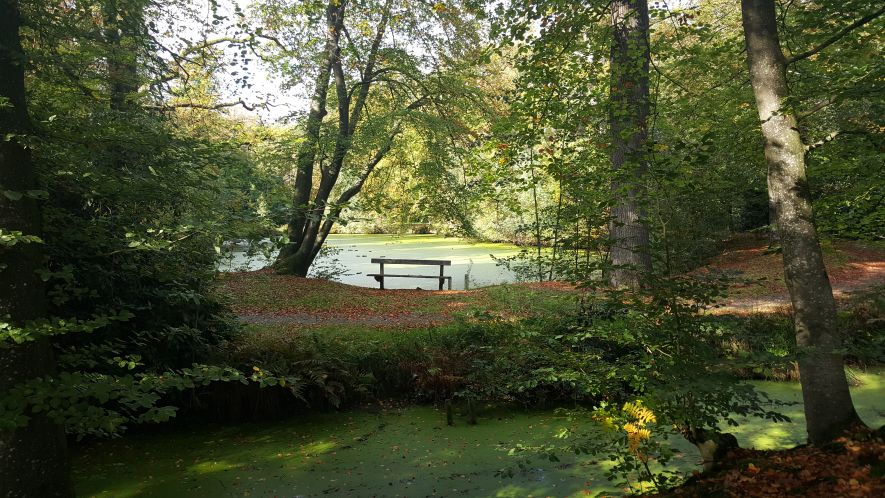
[
  {"x": 838, "y": 36},
  {"x": 354, "y": 189},
  {"x": 195, "y": 105}
]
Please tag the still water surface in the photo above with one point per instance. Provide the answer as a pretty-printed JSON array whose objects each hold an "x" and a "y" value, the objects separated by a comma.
[{"x": 355, "y": 253}]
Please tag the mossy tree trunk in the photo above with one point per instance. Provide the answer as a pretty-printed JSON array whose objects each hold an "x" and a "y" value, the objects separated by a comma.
[
  {"x": 628, "y": 121},
  {"x": 33, "y": 459},
  {"x": 828, "y": 406}
]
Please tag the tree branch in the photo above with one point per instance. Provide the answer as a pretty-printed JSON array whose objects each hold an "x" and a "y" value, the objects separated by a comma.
[
  {"x": 179, "y": 58},
  {"x": 821, "y": 105},
  {"x": 418, "y": 103},
  {"x": 194, "y": 105},
  {"x": 829, "y": 138},
  {"x": 348, "y": 194},
  {"x": 369, "y": 73},
  {"x": 354, "y": 189},
  {"x": 838, "y": 36},
  {"x": 356, "y": 51}
]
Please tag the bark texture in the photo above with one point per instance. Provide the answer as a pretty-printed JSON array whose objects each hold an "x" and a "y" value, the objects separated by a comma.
[
  {"x": 123, "y": 22},
  {"x": 312, "y": 219},
  {"x": 33, "y": 459},
  {"x": 628, "y": 116},
  {"x": 287, "y": 261},
  {"x": 296, "y": 257},
  {"x": 828, "y": 406}
]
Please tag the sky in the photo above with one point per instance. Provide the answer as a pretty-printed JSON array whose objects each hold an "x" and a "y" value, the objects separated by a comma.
[
  {"x": 197, "y": 26},
  {"x": 265, "y": 85}
]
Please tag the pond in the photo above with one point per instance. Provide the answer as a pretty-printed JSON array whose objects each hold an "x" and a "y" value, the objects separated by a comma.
[
  {"x": 355, "y": 252},
  {"x": 401, "y": 452}
]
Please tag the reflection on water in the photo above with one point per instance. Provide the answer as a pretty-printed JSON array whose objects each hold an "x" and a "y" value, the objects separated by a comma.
[{"x": 356, "y": 252}]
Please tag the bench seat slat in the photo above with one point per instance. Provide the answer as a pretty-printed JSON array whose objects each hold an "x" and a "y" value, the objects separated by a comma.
[{"x": 428, "y": 262}]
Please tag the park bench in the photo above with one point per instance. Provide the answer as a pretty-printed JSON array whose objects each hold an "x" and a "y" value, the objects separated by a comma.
[{"x": 443, "y": 278}]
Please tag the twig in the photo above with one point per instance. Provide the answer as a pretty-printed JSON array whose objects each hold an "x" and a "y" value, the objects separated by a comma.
[{"x": 838, "y": 36}]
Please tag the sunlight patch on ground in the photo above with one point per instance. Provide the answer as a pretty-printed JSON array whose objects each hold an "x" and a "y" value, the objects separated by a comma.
[{"x": 209, "y": 467}]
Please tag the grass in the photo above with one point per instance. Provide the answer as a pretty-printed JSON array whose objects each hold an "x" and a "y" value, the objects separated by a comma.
[{"x": 399, "y": 452}]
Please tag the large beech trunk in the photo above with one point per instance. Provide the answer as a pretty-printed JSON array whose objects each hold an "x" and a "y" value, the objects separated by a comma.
[
  {"x": 288, "y": 260},
  {"x": 33, "y": 459},
  {"x": 312, "y": 221},
  {"x": 122, "y": 23},
  {"x": 828, "y": 406},
  {"x": 628, "y": 118}
]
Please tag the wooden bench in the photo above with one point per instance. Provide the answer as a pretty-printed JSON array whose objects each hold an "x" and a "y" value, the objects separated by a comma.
[{"x": 443, "y": 278}]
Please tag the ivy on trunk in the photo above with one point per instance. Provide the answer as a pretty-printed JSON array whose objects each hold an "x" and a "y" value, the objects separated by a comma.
[{"x": 628, "y": 116}]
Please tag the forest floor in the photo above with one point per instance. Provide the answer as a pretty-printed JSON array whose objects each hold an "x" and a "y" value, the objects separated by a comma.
[
  {"x": 265, "y": 299},
  {"x": 853, "y": 268},
  {"x": 851, "y": 466}
]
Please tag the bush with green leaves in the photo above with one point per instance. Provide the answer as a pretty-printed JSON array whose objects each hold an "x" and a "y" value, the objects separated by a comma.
[
  {"x": 136, "y": 199},
  {"x": 670, "y": 371}
]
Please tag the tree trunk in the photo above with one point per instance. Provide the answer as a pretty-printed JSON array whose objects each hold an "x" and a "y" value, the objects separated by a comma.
[
  {"x": 628, "y": 117},
  {"x": 286, "y": 260},
  {"x": 329, "y": 174},
  {"x": 311, "y": 224},
  {"x": 291, "y": 260},
  {"x": 828, "y": 406},
  {"x": 33, "y": 459},
  {"x": 121, "y": 26}
]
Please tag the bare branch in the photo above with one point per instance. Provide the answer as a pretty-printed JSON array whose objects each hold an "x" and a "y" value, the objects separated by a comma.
[
  {"x": 838, "y": 36},
  {"x": 821, "y": 105},
  {"x": 195, "y": 105}
]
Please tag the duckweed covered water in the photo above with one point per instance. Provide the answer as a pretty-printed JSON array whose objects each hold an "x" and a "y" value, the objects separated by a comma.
[
  {"x": 356, "y": 253},
  {"x": 405, "y": 453}
]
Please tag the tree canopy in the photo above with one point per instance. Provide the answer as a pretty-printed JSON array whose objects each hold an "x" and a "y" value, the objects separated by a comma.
[{"x": 619, "y": 144}]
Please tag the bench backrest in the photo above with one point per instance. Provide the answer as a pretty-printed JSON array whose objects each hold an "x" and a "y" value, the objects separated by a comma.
[{"x": 428, "y": 262}]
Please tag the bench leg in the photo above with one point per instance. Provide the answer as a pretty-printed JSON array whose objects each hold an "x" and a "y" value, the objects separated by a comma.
[
  {"x": 441, "y": 279},
  {"x": 450, "y": 284},
  {"x": 381, "y": 280}
]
